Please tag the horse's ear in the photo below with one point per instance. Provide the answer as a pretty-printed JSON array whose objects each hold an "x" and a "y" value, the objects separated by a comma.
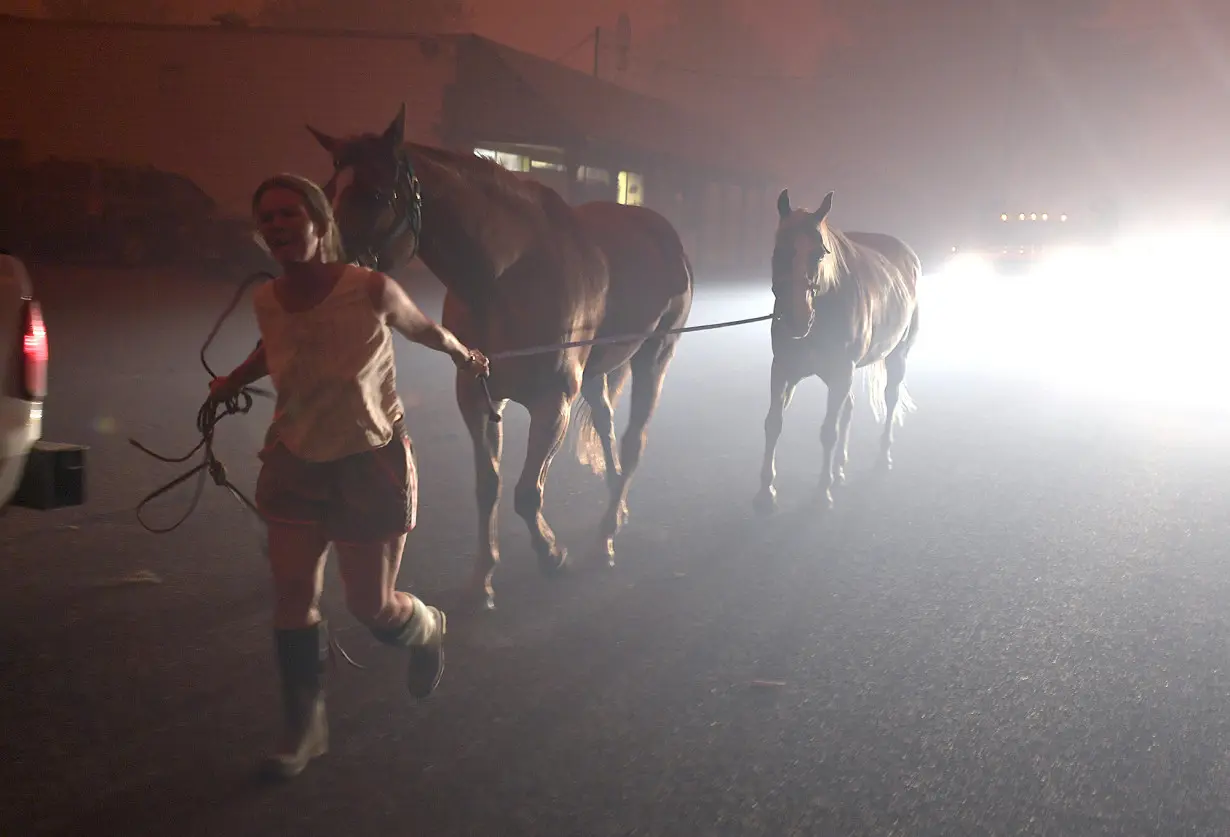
[
  {"x": 783, "y": 204},
  {"x": 826, "y": 206},
  {"x": 327, "y": 142},
  {"x": 395, "y": 134}
]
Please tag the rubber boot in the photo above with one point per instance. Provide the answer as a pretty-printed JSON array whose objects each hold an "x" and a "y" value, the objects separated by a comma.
[
  {"x": 302, "y": 654},
  {"x": 423, "y": 634}
]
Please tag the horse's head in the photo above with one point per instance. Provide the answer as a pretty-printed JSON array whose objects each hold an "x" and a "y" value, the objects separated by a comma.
[
  {"x": 799, "y": 266},
  {"x": 375, "y": 194}
]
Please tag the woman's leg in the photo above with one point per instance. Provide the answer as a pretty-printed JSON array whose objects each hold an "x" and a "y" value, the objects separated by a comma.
[
  {"x": 297, "y": 561},
  {"x": 301, "y": 643},
  {"x": 291, "y": 495},
  {"x": 369, "y": 571},
  {"x": 377, "y": 506}
]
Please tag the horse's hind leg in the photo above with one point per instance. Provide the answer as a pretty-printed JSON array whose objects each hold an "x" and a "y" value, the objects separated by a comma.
[
  {"x": 781, "y": 391},
  {"x": 894, "y": 368},
  {"x": 599, "y": 393},
  {"x": 894, "y": 381},
  {"x": 488, "y": 440},
  {"x": 549, "y": 417},
  {"x": 840, "y": 386},
  {"x": 649, "y": 367}
]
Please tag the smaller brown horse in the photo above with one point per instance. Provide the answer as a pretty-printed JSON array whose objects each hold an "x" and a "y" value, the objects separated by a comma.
[
  {"x": 524, "y": 269},
  {"x": 843, "y": 301}
]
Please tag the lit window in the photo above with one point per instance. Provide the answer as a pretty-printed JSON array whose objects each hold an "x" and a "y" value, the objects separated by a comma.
[
  {"x": 630, "y": 188},
  {"x": 589, "y": 174},
  {"x": 540, "y": 164},
  {"x": 512, "y": 162}
]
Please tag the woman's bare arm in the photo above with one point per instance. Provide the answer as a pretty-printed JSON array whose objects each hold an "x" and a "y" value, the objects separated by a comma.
[
  {"x": 245, "y": 374},
  {"x": 404, "y": 317},
  {"x": 251, "y": 370}
]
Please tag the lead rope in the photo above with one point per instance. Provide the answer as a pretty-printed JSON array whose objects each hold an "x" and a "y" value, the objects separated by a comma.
[
  {"x": 207, "y": 418},
  {"x": 494, "y": 414}
]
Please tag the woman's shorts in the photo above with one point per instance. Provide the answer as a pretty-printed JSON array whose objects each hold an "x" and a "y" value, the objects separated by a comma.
[{"x": 367, "y": 497}]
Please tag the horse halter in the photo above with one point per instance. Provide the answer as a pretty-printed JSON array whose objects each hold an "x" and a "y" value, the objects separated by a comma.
[
  {"x": 814, "y": 284},
  {"x": 403, "y": 198}
]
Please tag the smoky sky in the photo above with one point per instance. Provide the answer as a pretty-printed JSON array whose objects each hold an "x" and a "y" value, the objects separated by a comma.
[{"x": 912, "y": 108}]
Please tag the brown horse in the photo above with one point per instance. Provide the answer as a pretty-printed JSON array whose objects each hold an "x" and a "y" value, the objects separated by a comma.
[
  {"x": 524, "y": 269},
  {"x": 843, "y": 301}
]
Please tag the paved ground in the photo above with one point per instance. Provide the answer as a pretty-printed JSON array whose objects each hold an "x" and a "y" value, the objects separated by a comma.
[{"x": 1022, "y": 631}]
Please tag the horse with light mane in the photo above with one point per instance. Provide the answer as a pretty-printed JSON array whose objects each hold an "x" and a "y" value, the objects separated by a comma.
[
  {"x": 522, "y": 269},
  {"x": 843, "y": 301}
]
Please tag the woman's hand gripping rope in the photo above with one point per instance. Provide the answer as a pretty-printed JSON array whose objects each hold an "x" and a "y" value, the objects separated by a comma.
[
  {"x": 223, "y": 401},
  {"x": 478, "y": 364}
]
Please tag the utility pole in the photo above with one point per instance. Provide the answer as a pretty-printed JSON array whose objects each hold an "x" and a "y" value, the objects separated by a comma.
[{"x": 623, "y": 42}]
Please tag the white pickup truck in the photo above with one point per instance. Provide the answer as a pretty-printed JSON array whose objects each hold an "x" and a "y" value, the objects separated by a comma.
[{"x": 33, "y": 473}]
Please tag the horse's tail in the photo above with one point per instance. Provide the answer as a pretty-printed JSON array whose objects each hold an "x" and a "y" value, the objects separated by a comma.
[
  {"x": 589, "y": 446},
  {"x": 905, "y": 404},
  {"x": 589, "y": 443},
  {"x": 874, "y": 378}
]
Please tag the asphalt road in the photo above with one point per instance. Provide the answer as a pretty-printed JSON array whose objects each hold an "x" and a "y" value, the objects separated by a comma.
[{"x": 1021, "y": 631}]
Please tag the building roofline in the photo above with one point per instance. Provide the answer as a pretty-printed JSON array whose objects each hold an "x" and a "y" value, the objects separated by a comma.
[
  {"x": 554, "y": 66},
  {"x": 228, "y": 29},
  {"x": 221, "y": 29}
]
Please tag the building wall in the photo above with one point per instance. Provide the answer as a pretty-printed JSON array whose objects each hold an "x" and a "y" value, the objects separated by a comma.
[{"x": 225, "y": 108}]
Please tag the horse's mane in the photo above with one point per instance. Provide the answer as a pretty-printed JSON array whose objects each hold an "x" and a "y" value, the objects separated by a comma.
[
  {"x": 842, "y": 253},
  {"x": 495, "y": 181}
]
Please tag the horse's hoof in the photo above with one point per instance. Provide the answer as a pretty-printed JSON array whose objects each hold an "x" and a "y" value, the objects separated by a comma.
[
  {"x": 885, "y": 465},
  {"x": 765, "y": 503},
  {"x": 554, "y": 561},
  {"x": 826, "y": 500},
  {"x": 480, "y": 601},
  {"x": 604, "y": 552}
]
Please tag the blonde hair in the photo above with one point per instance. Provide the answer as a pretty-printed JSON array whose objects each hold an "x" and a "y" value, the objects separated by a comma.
[{"x": 317, "y": 206}]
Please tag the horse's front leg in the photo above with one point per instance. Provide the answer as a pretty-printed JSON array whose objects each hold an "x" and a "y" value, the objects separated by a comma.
[
  {"x": 843, "y": 440},
  {"x": 488, "y": 440},
  {"x": 781, "y": 391},
  {"x": 549, "y": 417},
  {"x": 840, "y": 386}
]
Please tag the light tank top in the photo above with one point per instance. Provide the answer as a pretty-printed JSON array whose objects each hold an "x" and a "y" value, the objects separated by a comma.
[{"x": 333, "y": 369}]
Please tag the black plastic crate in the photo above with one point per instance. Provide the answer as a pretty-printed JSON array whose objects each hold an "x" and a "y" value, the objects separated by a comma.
[{"x": 54, "y": 477}]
